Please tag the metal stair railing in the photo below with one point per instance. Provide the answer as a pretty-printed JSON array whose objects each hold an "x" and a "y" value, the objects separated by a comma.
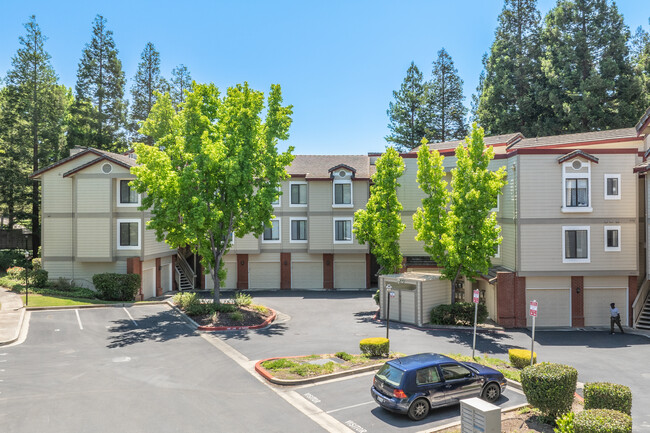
[
  {"x": 640, "y": 301},
  {"x": 186, "y": 271}
]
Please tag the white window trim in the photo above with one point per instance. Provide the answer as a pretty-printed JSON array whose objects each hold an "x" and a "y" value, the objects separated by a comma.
[
  {"x": 117, "y": 195},
  {"x": 569, "y": 228},
  {"x": 129, "y": 220},
  {"x": 291, "y": 240},
  {"x": 565, "y": 176},
  {"x": 613, "y": 197},
  {"x": 334, "y": 220},
  {"x": 306, "y": 192},
  {"x": 279, "y": 239},
  {"x": 342, "y": 181},
  {"x": 279, "y": 202},
  {"x": 496, "y": 209},
  {"x": 498, "y": 254},
  {"x": 606, "y": 228}
]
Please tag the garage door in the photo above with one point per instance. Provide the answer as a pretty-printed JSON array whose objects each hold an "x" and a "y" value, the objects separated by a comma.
[
  {"x": 149, "y": 283},
  {"x": 597, "y": 305},
  {"x": 349, "y": 271},
  {"x": 307, "y": 272},
  {"x": 553, "y": 307},
  {"x": 231, "y": 275},
  {"x": 264, "y": 275},
  {"x": 166, "y": 277}
]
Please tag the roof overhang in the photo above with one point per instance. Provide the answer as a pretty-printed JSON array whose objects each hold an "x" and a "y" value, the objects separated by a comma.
[{"x": 575, "y": 154}]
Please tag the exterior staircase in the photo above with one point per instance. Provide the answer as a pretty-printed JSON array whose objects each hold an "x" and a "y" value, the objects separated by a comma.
[
  {"x": 643, "y": 321},
  {"x": 183, "y": 282}
]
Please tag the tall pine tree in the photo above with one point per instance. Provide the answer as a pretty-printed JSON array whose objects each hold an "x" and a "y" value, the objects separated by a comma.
[
  {"x": 445, "y": 111},
  {"x": 147, "y": 84},
  {"x": 100, "y": 109},
  {"x": 180, "y": 83},
  {"x": 513, "y": 75},
  {"x": 34, "y": 117},
  {"x": 406, "y": 115},
  {"x": 591, "y": 85},
  {"x": 640, "y": 53}
]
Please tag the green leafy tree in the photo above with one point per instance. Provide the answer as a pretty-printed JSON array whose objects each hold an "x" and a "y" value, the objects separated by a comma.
[
  {"x": 100, "y": 110},
  {"x": 35, "y": 117},
  {"x": 214, "y": 170},
  {"x": 591, "y": 85},
  {"x": 181, "y": 82},
  {"x": 513, "y": 75},
  {"x": 445, "y": 112},
  {"x": 458, "y": 229},
  {"x": 406, "y": 115},
  {"x": 380, "y": 224},
  {"x": 148, "y": 83},
  {"x": 640, "y": 54}
]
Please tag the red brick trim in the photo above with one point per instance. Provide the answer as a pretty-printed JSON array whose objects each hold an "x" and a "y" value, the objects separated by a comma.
[
  {"x": 242, "y": 271},
  {"x": 134, "y": 266},
  {"x": 577, "y": 302},
  {"x": 285, "y": 271},
  {"x": 158, "y": 277},
  {"x": 328, "y": 271},
  {"x": 511, "y": 300}
]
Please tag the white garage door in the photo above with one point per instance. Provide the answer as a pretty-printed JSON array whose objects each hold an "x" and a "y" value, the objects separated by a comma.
[
  {"x": 553, "y": 307},
  {"x": 166, "y": 277},
  {"x": 349, "y": 271},
  {"x": 231, "y": 275},
  {"x": 264, "y": 275},
  {"x": 597, "y": 306},
  {"x": 149, "y": 283},
  {"x": 407, "y": 306},
  {"x": 307, "y": 275}
]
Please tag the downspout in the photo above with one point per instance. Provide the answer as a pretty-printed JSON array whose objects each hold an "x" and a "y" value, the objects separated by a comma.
[{"x": 73, "y": 246}]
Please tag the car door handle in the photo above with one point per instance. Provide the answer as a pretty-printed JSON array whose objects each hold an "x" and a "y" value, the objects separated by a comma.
[{"x": 447, "y": 386}]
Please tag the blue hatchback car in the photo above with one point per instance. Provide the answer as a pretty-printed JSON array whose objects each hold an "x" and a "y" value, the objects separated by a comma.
[{"x": 416, "y": 384}]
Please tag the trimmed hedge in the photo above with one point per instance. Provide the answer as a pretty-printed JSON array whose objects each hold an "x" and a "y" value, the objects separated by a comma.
[
  {"x": 550, "y": 387},
  {"x": 520, "y": 358},
  {"x": 460, "y": 313},
  {"x": 38, "y": 278},
  {"x": 374, "y": 347},
  {"x": 191, "y": 304},
  {"x": 116, "y": 287},
  {"x": 602, "y": 421},
  {"x": 604, "y": 395}
]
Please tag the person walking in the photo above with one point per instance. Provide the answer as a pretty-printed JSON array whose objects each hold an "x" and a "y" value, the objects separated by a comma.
[{"x": 615, "y": 318}]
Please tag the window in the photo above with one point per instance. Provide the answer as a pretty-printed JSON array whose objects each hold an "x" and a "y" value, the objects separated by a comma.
[
  {"x": 276, "y": 203},
  {"x": 126, "y": 195},
  {"x": 343, "y": 231},
  {"x": 576, "y": 186},
  {"x": 272, "y": 232},
  {"x": 128, "y": 234},
  {"x": 497, "y": 248},
  {"x": 298, "y": 194},
  {"x": 298, "y": 229},
  {"x": 575, "y": 243},
  {"x": 427, "y": 376},
  {"x": 454, "y": 371},
  {"x": 342, "y": 193},
  {"x": 612, "y": 187},
  {"x": 612, "y": 238}
]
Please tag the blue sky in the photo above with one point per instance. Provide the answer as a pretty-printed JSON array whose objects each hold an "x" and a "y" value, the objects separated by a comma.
[{"x": 338, "y": 61}]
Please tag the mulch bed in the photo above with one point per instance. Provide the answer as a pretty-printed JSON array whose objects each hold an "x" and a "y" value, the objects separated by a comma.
[{"x": 251, "y": 317}]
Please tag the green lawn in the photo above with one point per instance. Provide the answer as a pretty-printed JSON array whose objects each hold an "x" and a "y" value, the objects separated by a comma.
[{"x": 56, "y": 301}]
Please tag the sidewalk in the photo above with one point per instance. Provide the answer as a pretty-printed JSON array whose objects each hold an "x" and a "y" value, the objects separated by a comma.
[{"x": 11, "y": 316}]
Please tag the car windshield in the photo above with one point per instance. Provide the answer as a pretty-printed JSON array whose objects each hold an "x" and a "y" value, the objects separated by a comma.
[{"x": 390, "y": 375}]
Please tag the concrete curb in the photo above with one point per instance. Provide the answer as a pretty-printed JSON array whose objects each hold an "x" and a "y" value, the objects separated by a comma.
[
  {"x": 19, "y": 328},
  {"x": 294, "y": 382},
  {"x": 479, "y": 328}
]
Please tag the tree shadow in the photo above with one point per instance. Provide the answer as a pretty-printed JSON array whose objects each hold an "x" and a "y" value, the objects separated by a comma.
[
  {"x": 159, "y": 327},
  {"x": 366, "y": 316},
  {"x": 244, "y": 334}
]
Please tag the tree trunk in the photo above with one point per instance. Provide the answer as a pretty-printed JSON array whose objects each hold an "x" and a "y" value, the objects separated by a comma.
[{"x": 453, "y": 286}]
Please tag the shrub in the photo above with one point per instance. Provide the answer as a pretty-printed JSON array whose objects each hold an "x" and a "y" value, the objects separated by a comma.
[
  {"x": 520, "y": 358},
  {"x": 16, "y": 273},
  {"x": 11, "y": 258},
  {"x": 280, "y": 363},
  {"x": 222, "y": 308},
  {"x": 61, "y": 285},
  {"x": 344, "y": 356},
  {"x": 236, "y": 316},
  {"x": 38, "y": 278},
  {"x": 550, "y": 387},
  {"x": 565, "y": 423},
  {"x": 242, "y": 299},
  {"x": 260, "y": 309},
  {"x": 376, "y": 297},
  {"x": 73, "y": 292},
  {"x": 460, "y": 313},
  {"x": 117, "y": 287},
  {"x": 37, "y": 264},
  {"x": 602, "y": 421},
  {"x": 603, "y": 395},
  {"x": 374, "y": 346}
]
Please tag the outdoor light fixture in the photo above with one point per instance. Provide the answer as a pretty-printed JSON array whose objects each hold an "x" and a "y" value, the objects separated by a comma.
[{"x": 578, "y": 289}]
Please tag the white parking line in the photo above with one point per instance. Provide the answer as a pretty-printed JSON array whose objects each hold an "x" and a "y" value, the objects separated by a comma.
[
  {"x": 350, "y": 407},
  {"x": 79, "y": 320},
  {"x": 130, "y": 317}
]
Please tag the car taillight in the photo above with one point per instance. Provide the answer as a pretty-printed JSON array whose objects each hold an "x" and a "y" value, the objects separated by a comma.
[{"x": 399, "y": 393}]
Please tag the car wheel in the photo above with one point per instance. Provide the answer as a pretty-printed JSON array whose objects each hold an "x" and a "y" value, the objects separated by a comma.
[
  {"x": 491, "y": 392},
  {"x": 419, "y": 409}
]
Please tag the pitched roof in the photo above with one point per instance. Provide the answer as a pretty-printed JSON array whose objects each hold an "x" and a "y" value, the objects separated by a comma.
[
  {"x": 318, "y": 166},
  {"x": 491, "y": 140},
  {"x": 123, "y": 160},
  {"x": 624, "y": 134},
  {"x": 643, "y": 122},
  {"x": 575, "y": 154}
]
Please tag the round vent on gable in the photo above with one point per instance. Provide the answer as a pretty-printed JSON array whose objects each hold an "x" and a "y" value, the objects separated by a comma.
[
  {"x": 576, "y": 164},
  {"x": 107, "y": 168},
  {"x": 342, "y": 173}
]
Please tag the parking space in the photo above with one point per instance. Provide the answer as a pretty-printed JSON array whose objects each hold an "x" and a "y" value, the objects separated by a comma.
[{"x": 349, "y": 401}]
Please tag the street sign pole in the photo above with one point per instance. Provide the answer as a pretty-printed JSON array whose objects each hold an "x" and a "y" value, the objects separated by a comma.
[
  {"x": 475, "y": 298},
  {"x": 388, "y": 296},
  {"x": 533, "y": 313}
]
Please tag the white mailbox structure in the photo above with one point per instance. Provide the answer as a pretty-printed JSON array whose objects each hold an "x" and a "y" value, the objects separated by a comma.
[{"x": 479, "y": 416}]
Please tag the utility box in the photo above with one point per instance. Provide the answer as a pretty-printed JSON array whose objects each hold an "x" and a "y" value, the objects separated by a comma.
[{"x": 479, "y": 416}]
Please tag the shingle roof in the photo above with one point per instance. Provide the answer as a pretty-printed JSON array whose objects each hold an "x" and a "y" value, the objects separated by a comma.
[
  {"x": 116, "y": 157},
  {"x": 491, "y": 140},
  {"x": 318, "y": 166},
  {"x": 567, "y": 139}
]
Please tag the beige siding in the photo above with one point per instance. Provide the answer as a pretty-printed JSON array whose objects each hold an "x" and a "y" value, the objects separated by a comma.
[
  {"x": 249, "y": 244},
  {"x": 554, "y": 307},
  {"x": 94, "y": 195},
  {"x": 596, "y": 303},
  {"x": 320, "y": 196},
  {"x": 408, "y": 245},
  {"x": 94, "y": 238},
  {"x": 434, "y": 293},
  {"x": 409, "y": 194},
  {"x": 57, "y": 193},
  {"x": 152, "y": 246},
  {"x": 349, "y": 271},
  {"x": 57, "y": 237},
  {"x": 82, "y": 272},
  {"x": 548, "y": 282},
  {"x": 321, "y": 233},
  {"x": 508, "y": 246}
]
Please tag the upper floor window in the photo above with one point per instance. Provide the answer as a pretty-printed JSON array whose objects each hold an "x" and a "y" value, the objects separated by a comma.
[
  {"x": 343, "y": 230},
  {"x": 298, "y": 194},
  {"x": 276, "y": 203},
  {"x": 612, "y": 187},
  {"x": 127, "y": 196},
  {"x": 298, "y": 229},
  {"x": 343, "y": 193},
  {"x": 575, "y": 243},
  {"x": 612, "y": 238},
  {"x": 576, "y": 184},
  {"x": 272, "y": 232},
  {"x": 128, "y": 234}
]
